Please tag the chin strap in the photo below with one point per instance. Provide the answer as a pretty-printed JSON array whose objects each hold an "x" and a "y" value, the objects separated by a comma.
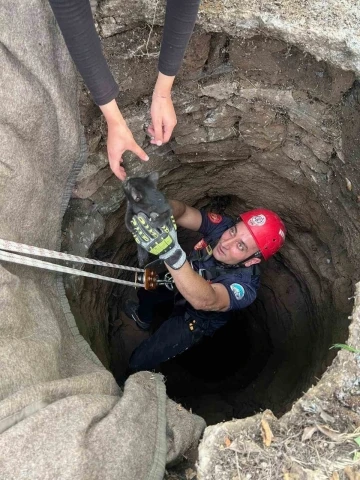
[
  {"x": 242, "y": 264},
  {"x": 257, "y": 254},
  {"x": 205, "y": 253}
]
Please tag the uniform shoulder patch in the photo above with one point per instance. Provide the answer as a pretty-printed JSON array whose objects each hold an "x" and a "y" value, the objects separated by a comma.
[
  {"x": 214, "y": 217},
  {"x": 238, "y": 291}
]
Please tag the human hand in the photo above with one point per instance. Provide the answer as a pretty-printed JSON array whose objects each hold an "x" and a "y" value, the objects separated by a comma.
[
  {"x": 119, "y": 140},
  {"x": 161, "y": 241},
  {"x": 163, "y": 118}
]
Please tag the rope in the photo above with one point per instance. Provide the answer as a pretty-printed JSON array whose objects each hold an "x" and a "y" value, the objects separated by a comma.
[{"x": 42, "y": 252}]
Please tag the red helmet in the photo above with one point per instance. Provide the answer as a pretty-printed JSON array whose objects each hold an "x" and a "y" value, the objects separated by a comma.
[{"x": 267, "y": 229}]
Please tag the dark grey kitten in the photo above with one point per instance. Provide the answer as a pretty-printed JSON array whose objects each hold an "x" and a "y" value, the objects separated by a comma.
[{"x": 143, "y": 196}]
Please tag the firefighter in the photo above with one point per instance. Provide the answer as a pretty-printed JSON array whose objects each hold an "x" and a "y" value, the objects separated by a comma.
[{"x": 221, "y": 275}]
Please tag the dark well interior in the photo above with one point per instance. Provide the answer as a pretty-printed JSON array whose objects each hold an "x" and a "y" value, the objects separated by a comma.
[
  {"x": 260, "y": 124},
  {"x": 267, "y": 355}
]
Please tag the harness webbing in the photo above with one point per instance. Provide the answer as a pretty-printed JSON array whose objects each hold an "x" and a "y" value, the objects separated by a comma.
[{"x": 214, "y": 271}]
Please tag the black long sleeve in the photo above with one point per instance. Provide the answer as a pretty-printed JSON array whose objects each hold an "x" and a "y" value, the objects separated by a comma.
[
  {"x": 179, "y": 25},
  {"x": 77, "y": 26}
]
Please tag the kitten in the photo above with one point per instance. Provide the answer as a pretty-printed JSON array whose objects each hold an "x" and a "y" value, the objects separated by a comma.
[{"x": 142, "y": 196}]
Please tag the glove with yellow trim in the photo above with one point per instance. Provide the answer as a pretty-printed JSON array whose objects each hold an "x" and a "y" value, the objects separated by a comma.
[{"x": 161, "y": 241}]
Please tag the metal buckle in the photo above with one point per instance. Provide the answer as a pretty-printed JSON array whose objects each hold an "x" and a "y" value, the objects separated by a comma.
[
  {"x": 201, "y": 272},
  {"x": 169, "y": 281}
]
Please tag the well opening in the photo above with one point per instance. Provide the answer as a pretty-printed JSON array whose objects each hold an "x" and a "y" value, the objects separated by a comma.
[{"x": 260, "y": 123}]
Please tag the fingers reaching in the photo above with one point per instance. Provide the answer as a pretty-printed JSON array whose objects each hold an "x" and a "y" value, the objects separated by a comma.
[
  {"x": 139, "y": 152},
  {"x": 163, "y": 120},
  {"x": 120, "y": 139},
  {"x": 158, "y": 132},
  {"x": 151, "y": 130},
  {"x": 168, "y": 129},
  {"x": 117, "y": 168}
]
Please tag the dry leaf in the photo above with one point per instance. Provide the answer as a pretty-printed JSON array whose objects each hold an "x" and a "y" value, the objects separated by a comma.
[
  {"x": 291, "y": 476},
  {"x": 244, "y": 446},
  {"x": 308, "y": 433},
  {"x": 351, "y": 473},
  {"x": 268, "y": 415},
  {"x": 266, "y": 433},
  {"x": 227, "y": 442},
  {"x": 348, "y": 184},
  {"x": 326, "y": 417},
  {"x": 335, "y": 476},
  {"x": 332, "y": 434},
  {"x": 190, "y": 474},
  {"x": 299, "y": 473}
]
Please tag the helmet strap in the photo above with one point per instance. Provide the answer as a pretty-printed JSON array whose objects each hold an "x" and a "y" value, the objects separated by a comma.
[{"x": 257, "y": 254}]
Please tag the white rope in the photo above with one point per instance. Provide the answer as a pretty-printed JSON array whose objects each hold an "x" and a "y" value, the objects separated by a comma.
[
  {"x": 6, "y": 256},
  {"x": 43, "y": 252},
  {"x": 31, "y": 262}
]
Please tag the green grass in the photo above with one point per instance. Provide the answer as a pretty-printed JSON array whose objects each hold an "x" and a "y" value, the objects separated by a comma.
[{"x": 349, "y": 348}]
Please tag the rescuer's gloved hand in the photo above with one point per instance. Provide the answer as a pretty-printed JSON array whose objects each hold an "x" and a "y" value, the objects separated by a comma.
[{"x": 161, "y": 241}]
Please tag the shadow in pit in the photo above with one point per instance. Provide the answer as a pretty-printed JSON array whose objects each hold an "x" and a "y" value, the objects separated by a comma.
[{"x": 203, "y": 377}]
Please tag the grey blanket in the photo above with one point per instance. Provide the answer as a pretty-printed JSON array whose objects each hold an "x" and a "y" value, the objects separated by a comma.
[{"x": 62, "y": 414}]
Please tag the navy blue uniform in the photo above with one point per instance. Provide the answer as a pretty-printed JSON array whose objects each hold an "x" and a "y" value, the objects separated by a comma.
[{"x": 186, "y": 326}]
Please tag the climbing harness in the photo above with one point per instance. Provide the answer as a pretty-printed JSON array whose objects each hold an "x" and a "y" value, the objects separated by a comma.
[
  {"x": 214, "y": 271},
  {"x": 146, "y": 278},
  {"x": 166, "y": 280},
  {"x": 192, "y": 325}
]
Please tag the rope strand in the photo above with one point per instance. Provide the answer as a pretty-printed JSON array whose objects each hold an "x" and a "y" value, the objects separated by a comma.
[{"x": 7, "y": 246}]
